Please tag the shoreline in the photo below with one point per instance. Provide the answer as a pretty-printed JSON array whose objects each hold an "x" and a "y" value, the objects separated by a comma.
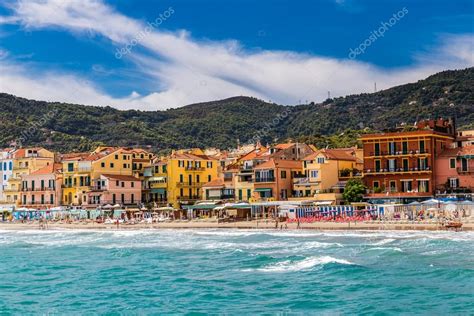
[{"x": 415, "y": 226}]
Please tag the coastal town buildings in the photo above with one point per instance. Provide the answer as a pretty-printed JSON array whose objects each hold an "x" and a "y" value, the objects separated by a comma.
[
  {"x": 400, "y": 165},
  {"x": 25, "y": 161}
]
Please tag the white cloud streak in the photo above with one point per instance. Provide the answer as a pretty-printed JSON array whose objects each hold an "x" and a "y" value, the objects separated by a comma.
[{"x": 188, "y": 71}]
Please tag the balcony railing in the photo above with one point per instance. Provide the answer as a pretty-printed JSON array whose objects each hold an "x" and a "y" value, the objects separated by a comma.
[
  {"x": 265, "y": 179},
  {"x": 188, "y": 184},
  {"x": 38, "y": 189},
  {"x": 396, "y": 170},
  {"x": 398, "y": 153},
  {"x": 195, "y": 168},
  {"x": 189, "y": 198},
  {"x": 465, "y": 170}
]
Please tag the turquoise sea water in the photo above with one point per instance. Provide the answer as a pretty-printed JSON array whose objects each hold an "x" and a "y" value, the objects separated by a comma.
[{"x": 236, "y": 272}]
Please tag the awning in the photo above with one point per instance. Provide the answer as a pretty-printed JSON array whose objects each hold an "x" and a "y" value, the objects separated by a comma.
[
  {"x": 202, "y": 207},
  {"x": 159, "y": 190},
  {"x": 157, "y": 179},
  {"x": 263, "y": 190}
]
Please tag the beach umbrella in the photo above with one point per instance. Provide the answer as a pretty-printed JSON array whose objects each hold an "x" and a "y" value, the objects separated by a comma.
[{"x": 431, "y": 201}]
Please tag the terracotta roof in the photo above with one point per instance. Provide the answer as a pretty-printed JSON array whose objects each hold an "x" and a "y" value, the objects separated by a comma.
[
  {"x": 284, "y": 146},
  {"x": 458, "y": 151},
  {"x": 335, "y": 154},
  {"x": 187, "y": 156},
  {"x": 254, "y": 154},
  {"x": 280, "y": 163},
  {"x": 215, "y": 183},
  {"x": 51, "y": 168},
  {"x": 120, "y": 177}
]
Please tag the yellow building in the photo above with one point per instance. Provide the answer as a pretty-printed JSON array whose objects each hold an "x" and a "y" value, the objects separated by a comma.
[
  {"x": 325, "y": 173},
  {"x": 187, "y": 171},
  {"x": 80, "y": 170},
  {"x": 156, "y": 185},
  {"x": 25, "y": 161}
]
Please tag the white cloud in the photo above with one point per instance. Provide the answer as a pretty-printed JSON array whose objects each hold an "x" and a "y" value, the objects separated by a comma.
[{"x": 187, "y": 70}]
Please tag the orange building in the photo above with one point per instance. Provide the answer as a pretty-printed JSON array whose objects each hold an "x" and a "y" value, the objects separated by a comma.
[
  {"x": 400, "y": 165},
  {"x": 273, "y": 179}
]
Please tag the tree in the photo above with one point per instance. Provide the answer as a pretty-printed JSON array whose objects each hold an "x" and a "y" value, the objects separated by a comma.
[{"x": 354, "y": 191}]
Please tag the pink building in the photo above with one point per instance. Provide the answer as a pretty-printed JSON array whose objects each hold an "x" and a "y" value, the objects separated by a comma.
[
  {"x": 42, "y": 188},
  {"x": 455, "y": 169},
  {"x": 115, "y": 189}
]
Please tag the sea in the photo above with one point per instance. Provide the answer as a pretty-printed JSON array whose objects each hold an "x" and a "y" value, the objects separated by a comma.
[{"x": 245, "y": 272}]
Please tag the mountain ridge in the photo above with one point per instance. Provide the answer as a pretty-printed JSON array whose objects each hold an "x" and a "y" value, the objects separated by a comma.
[{"x": 222, "y": 123}]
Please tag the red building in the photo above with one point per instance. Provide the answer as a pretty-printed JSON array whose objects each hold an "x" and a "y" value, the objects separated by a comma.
[{"x": 400, "y": 166}]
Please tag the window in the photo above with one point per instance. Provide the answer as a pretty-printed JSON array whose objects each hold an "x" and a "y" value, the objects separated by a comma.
[
  {"x": 180, "y": 163},
  {"x": 405, "y": 165},
  {"x": 111, "y": 165},
  {"x": 392, "y": 148},
  {"x": 320, "y": 160},
  {"x": 102, "y": 164},
  {"x": 283, "y": 174},
  {"x": 132, "y": 184},
  {"x": 453, "y": 183},
  {"x": 132, "y": 197},
  {"x": 116, "y": 157},
  {"x": 190, "y": 179},
  {"x": 406, "y": 185},
  {"x": 181, "y": 178},
  {"x": 423, "y": 186},
  {"x": 114, "y": 199},
  {"x": 122, "y": 198},
  {"x": 51, "y": 199},
  {"x": 181, "y": 192},
  {"x": 70, "y": 167},
  {"x": 377, "y": 165},
  {"x": 42, "y": 184},
  {"x": 209, "y": 178},
  {"x": 42, "y": 198},
  {"x": 376, "y": 149},
  {"x": 393, "y": 186},
  {"x": 123, "y": 184},
  {"x": 422, "y": 146},
  {"x": 405, "y": 147},
  {"x": 117, "y": 183},
  {"x": 209, "y": 164},
  {"x": 452, "y": 163},
  {"x": 197, "y": 178},
  {"x": 392, "y": 165},
  {"x": 125, "y": 166}
]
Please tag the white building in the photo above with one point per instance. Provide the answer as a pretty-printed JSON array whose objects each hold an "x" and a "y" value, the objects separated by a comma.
[{"x": 6, "y": 170}]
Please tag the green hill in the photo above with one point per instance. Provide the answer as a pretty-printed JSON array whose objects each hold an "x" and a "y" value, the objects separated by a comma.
[{"x": 67, "y": 127}]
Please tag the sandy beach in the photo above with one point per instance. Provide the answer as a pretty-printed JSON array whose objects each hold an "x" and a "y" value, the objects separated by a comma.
[{"x": 261, "y": 224}]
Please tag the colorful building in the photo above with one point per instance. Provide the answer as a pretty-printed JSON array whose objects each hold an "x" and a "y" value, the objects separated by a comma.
[
  {"x": 400, "y": 165},
  {"x": 6, "y": 170},
  {"x": 455, "y": 170},
  {"x": 25, "y": 161},
  {"x": 41, "y": 189},
  {"x": 187, "y": 171},
  {"x": 326, "y": 172},
  {"x": 112, "y": 189},
  {"x": 273, "y": 179}
]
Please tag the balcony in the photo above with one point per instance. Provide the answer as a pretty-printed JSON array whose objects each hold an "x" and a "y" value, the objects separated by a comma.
[
  {"x": 398, "y": 153},
  {"x": 265, "y": 179},
  {"x": 465, "y": 170},
  {"x": 397, "y": 171},
  {"x": 391, "y": 194},
  {"x": 78, "y": 170},
  {"x": 38, "y": 189},
  {"x": 189, "y": 198},
  {"x": 188, "y": 184},
  {"x": 350, "y": 173},
  {"x": 305, "y": 181},
  {"x": 195, "y": 168}
]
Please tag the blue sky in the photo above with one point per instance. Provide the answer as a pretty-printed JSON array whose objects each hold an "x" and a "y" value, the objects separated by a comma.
[{"x": 280, "y": 50}]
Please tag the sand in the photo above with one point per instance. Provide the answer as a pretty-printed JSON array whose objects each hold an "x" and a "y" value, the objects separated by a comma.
[{"x": 261, "y": 224}]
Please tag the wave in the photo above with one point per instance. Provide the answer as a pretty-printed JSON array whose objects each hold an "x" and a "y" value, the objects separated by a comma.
[
  {"x": 384, "y": 242},
  {"x": 302, "y": 265},
  {"x": 397, "y": 249}
]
